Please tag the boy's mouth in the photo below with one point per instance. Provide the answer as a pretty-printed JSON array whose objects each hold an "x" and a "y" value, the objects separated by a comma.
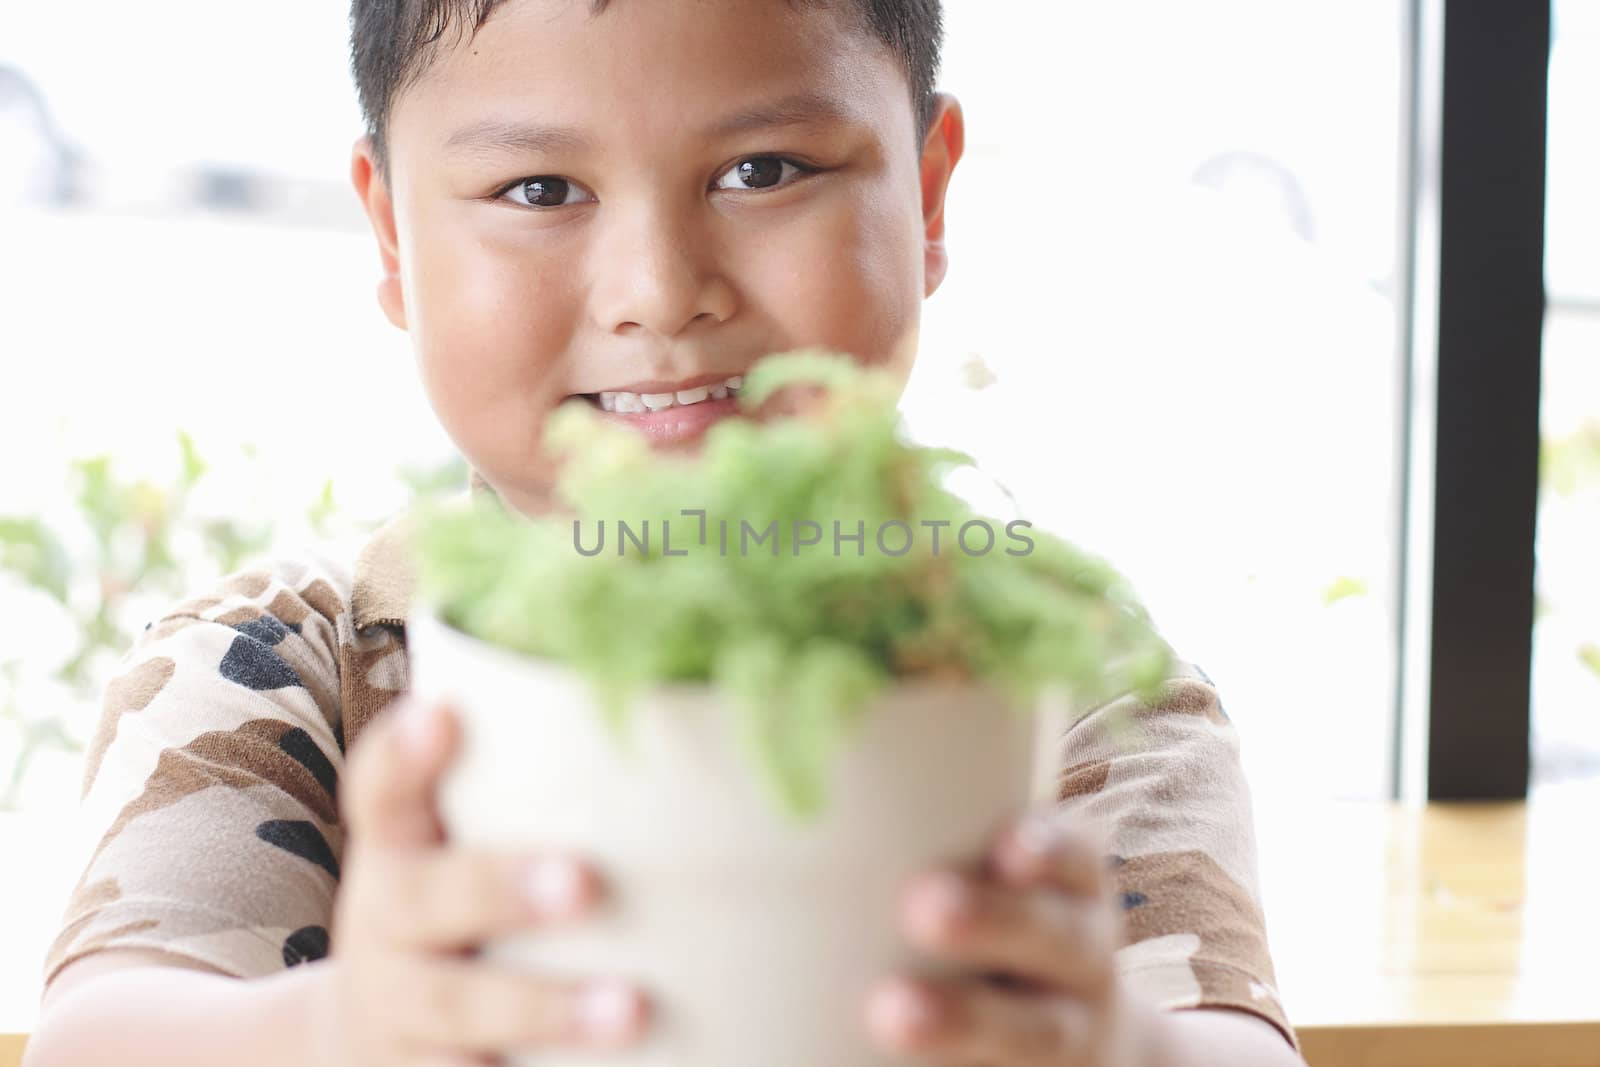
[
  {"x": 643, "y": 398},
  {"x": 672, "y": 413}
]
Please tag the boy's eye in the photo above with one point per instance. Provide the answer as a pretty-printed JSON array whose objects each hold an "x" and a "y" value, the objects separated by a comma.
[
  {"x": 547, "y": 191},
  {"x": 761, "y": 172}
]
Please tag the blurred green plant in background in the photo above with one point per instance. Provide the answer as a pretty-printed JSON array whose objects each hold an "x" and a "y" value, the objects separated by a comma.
[
  {"x": 127, "y": 547},
  {"x": 1569, "y": 466},
  {"x": 1343, "y": 588}
]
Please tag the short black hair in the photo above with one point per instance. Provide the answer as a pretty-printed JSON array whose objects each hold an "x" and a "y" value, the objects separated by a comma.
[{"x": 392, "y": 41}]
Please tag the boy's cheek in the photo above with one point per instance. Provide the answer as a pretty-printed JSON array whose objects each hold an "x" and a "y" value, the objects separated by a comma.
[
  {"x": 854, "y": 285},
  {"x": 485, "y": 321},
  {"x": 465, "y": 281},
  {"x": 490, "y": 344}
]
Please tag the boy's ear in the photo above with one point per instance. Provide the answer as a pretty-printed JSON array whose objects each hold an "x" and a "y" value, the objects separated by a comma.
[
  {"x": 374, "y": 193},
  {"x": 940, "y": 153}
]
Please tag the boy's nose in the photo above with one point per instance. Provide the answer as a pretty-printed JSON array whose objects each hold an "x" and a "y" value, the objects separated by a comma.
[{"x": 661, "y": 276}]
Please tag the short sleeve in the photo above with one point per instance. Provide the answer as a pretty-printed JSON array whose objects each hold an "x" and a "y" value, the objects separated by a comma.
[
  {"x": 209, "y": 821},
  {"x": 1164, "y": 781}
]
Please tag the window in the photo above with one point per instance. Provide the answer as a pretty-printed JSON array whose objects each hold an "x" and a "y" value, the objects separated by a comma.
[
  {"x": 1173, "y": 241},
  {"x": 1566, "y": 647},
  {"x": 187, "y": 259}
]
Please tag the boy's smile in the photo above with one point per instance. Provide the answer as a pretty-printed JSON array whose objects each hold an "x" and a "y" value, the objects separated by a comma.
[
  {"x": 641, "y": 203},
  {"x": 672, "y": 413}
]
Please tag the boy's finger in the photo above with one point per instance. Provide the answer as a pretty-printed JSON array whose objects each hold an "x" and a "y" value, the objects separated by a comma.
[
  {"x": 959, "y": 1022},
  {"x": 393, "y": 774},
  {"x": 1050, "y": 848},
  {"x": 1039, "y": 934},
  {"x": 468, "y": 1006},
  {"x": 456, "y": 898}
]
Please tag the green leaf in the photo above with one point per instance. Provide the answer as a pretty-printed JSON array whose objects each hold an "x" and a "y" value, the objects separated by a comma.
[
  {"x": 813, "y": 366},
  {"x": 1343, "y": 588},
  {"x": 232, "y": 543},
  {"x": 193, "y": 466},
  {"x": 31, "y": 551},
  {"x": 1572, "y": 463},
  {"x": 322, "y": 510},
  {"x": 100, "y": 499},
  {"x": 1589, "y": 656}
]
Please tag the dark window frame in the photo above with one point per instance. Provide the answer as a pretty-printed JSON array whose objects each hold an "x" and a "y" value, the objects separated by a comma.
[{"x": 1491, "y": 310}]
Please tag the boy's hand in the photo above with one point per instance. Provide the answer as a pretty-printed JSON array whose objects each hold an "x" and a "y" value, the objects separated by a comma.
[
  {"x": 1036, "y": 925},
  {"x": 410, "y": 911}
]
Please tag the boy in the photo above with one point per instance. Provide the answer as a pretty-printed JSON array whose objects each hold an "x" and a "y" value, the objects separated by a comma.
[{"x": 628, "y": 202}]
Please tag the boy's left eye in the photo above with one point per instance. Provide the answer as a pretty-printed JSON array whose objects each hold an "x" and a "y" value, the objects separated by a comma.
[{"x": 761, "y": 172}]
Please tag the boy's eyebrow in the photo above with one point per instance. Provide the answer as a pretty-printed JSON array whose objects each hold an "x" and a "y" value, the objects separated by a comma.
[
  {"x": 794, "y": 110},
  {"x": 511, "y": 137}
]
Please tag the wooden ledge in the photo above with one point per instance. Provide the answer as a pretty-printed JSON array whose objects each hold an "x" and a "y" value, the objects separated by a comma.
[
  {"x": 1508, "y": 1044},
  {"x": 1452, "y": 934}
]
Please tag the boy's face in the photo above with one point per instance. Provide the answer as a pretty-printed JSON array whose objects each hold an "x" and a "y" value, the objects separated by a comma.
[{"x": 581, "y": 204}]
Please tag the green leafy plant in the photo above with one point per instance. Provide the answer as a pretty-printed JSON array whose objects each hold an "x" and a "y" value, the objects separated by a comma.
[
  {"x": 800, "y": 634},
  {"x": 128, "y": 544},
  {"x": 125, "y": 546}
]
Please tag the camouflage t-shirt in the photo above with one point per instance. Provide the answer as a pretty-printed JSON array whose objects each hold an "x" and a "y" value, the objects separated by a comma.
[{"x": 211, "y": 826}]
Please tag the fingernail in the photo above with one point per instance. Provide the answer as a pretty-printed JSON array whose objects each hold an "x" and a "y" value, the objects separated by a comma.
[
  {"x": 1025, "y": 853},
  {"x": 607, "y": 1009},
  {"x": 1036, "y": 837},
  {"x": 949, "y": 895},
  {"x": 941, "y": 908},
  {"x": 417, "y": 727},
  {"x": 903, "y": 1008},
  {"x": 553, "y": 886}
]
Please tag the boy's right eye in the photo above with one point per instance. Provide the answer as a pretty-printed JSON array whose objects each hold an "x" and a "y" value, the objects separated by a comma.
[{"x": 545, "y": 191}]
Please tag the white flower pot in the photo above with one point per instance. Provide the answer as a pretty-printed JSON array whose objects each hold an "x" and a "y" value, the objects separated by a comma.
[{"x": 757, "y": 937}]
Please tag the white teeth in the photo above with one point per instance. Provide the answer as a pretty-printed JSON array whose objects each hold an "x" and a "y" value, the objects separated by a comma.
[{"x": 632, "y": 403}]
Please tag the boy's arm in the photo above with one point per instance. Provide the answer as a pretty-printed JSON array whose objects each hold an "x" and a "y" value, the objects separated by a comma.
[
  {"x": 208, "y": 822},
  {"x": 1172, "y": 795},
  {"x": 138, "y": 1006},
  {"x": 1219, "y": 1037}
]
